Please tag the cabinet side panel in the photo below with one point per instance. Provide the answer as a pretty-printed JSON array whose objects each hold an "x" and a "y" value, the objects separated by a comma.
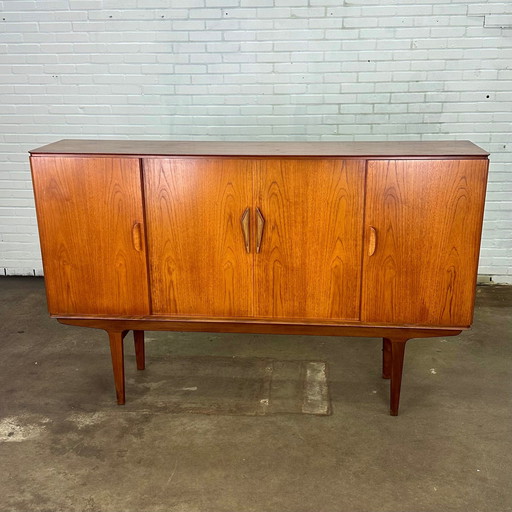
[
  {"x": 427, "y": 218},
  {"x": 309, "y": 266},
  {"x": 88, "y": 209},
  {"x": 198, "y": 261}
]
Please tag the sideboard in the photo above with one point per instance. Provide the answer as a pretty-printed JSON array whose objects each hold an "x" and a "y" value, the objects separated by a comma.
[{"x": 373, "y": 239}]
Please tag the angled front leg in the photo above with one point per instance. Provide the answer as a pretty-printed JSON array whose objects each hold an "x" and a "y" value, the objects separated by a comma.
[
  {"x": 397, "y": 363},
  {"x": 138, "y": 339},
  {"x": 117, "y": 353}
]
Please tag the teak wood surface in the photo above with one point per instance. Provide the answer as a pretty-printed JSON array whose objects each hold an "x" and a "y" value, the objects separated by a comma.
[
  {"x": 198, "y": 261},
  {"x": 338, "y": 239},
  {"x": 427, "y": 227},
  {"x": 309, "y": 265},
  {"x": 140, "y": 148},
  {"x": 91, "y": 227}
]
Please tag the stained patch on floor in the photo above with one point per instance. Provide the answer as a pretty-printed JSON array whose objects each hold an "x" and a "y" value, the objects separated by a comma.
[
  {"x": 22, "y": 427},
  {"x": 230, "y": 385}
]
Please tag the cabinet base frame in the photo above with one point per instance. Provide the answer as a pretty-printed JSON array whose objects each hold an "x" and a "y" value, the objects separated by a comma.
[{"x": 393, "y": 345}]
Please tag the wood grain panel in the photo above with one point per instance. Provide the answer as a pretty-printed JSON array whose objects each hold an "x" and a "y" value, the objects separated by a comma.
[
  {"x": 88, "y": 209},
  {"x": 310, "y": 259},
  {"x": 198, "y": 261},
  {"x": 427, "y": 216},
  {"x": 442, "y": 148}
]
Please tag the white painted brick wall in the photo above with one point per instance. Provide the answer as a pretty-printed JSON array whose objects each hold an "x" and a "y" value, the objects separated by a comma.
[{"x": 253, "y": 69}]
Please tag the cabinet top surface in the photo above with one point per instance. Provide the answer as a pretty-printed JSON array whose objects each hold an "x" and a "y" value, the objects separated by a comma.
[{"x": 454, "y": 148}]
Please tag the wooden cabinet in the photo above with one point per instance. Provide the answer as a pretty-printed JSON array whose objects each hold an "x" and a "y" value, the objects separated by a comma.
[{"x": 368, "y": 239}]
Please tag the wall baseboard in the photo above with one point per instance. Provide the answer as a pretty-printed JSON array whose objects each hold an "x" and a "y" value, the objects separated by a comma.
[
  {"x": 32, "y": 272},
  {"x": 497, "y": 279}
]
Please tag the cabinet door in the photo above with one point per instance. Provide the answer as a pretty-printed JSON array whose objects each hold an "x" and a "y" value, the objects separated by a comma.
[
  {"x": 91, "y": 229},
  {"x": 309, "y": 264},
  {"x": 423, "y": 224},
  {"x": 199, "y": 265}
]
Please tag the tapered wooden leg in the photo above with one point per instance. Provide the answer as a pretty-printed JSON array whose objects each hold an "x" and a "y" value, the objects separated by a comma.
[
  {"x": 138, "y": 338},
  {"x": 117, "y": 353},
  {"x": 397, "y": 364},
  {"x": 386, "y": 358}
]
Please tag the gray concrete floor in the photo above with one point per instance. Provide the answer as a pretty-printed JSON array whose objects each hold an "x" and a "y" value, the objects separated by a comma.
[{"x": 66, "y": 446}]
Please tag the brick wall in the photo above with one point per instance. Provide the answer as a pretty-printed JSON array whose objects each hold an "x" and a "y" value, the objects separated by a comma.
[{"x": 253, "y": 69}]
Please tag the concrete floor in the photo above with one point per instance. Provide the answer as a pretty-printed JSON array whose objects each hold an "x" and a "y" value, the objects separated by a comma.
[{"x": 66, "y": 446}]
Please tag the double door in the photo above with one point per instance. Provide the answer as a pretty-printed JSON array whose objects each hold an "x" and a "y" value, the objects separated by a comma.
[{"x": 266, "y": 238}]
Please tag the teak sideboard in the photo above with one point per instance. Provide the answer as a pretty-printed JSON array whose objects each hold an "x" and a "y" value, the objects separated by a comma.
[{"x": 374, "y": 239}]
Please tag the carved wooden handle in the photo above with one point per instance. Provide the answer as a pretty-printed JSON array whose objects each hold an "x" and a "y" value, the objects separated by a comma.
[
  {"x": 260, "y": 225},
  {"x": 373, "y": 241},
  {"x": 137, "y": 237},
  {"x": 245, "y": 220}
]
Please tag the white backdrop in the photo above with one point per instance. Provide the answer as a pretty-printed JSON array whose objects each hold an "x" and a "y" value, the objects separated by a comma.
[{"x": 248, "y": 70}]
